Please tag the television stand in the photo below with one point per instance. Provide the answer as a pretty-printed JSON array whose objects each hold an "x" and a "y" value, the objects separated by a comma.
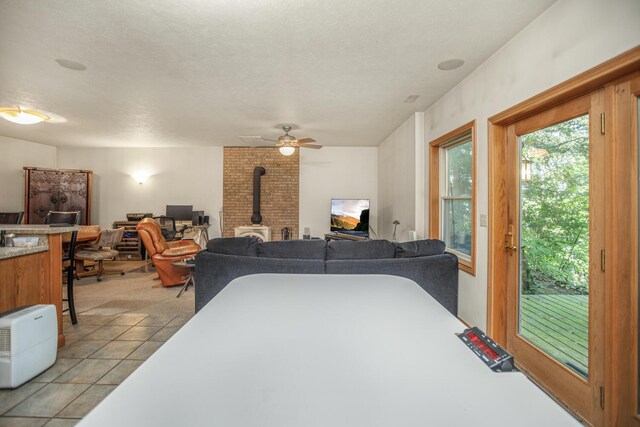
[{"x": 342, "y": 236}]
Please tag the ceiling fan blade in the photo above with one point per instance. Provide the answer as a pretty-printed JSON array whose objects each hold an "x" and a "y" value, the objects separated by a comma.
[
  {"x": 316, "y": 146},
  {"x": 306, "y": 140},
  {"x": 267, "y": 139}
]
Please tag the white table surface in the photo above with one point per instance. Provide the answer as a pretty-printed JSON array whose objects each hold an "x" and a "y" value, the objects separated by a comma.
[{"x": 323, "y": 350}]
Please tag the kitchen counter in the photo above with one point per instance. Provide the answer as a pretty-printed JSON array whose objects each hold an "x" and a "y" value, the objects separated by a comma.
[
  {"x": 33, "y": 274},
  {"x": 15, "y": 252},
  {"x": 34, "y": 229}
]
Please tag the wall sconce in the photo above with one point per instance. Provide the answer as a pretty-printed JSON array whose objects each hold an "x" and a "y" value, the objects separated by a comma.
[
  {"x": 140, "y": 177},
  {"x": 525, "y": 170}
]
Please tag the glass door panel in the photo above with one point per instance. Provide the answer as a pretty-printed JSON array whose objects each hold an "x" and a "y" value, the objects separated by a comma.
[{"x": 554, "y": 241}]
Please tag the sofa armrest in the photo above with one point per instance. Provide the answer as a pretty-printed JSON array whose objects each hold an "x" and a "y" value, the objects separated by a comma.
[
  {"x": 182, "y": 243},
  {"x": 181, "y": 250}
]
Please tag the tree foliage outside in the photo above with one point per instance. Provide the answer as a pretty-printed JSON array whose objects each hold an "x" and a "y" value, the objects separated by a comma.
[
  {"x": 555, "y": 209},
  {"x": 457, "y": 200}
]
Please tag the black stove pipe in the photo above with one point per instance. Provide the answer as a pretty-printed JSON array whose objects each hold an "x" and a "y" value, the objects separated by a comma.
[{"x": 256, "y": 218}]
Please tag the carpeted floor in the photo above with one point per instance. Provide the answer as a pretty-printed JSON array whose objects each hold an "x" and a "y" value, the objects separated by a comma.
[{"x": 136, "y": 290}]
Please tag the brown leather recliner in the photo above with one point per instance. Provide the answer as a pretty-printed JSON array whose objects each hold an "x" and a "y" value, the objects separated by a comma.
[{"x": 163, "y": 253}]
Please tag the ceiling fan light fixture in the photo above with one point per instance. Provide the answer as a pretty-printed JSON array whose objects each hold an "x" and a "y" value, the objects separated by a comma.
[
  {"x": 287, "y": 144},
  {"x": 287, "y": 150},
  {"x": 22, "y": 117}
]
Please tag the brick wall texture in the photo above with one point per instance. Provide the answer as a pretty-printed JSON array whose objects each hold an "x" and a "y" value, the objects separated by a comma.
[{"x": 280, "y": 187}]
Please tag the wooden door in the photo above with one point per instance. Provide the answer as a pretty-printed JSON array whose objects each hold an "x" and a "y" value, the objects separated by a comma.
[{"x": 555, "y": 243}]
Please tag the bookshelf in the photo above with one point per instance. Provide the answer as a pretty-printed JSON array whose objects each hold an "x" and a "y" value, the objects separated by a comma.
[{"x": 130, "y": 247}]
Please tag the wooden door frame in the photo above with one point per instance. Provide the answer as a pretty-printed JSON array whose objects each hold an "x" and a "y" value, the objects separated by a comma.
[
  {"x": 622, "y": 146},
  {"x": 602, "y": 76}
]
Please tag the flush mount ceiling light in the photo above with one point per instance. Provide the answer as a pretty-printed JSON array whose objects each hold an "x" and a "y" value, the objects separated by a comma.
[
  {"x": 22, "y": 117},
  {"x": 287, "y": 150},
  {"x": 450, "y": 64}
]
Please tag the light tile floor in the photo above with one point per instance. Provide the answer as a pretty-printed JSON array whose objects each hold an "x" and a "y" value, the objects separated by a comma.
[{"x": 102, "y": 350}]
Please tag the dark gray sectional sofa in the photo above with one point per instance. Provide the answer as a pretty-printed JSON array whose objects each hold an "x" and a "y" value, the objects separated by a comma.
[{"x": 424, "y": 262}]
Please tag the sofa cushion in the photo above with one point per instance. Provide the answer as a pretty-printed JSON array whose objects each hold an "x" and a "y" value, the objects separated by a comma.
[
  {"x": 362, "y": 249},
  {"x": 420, "y": 248},
  {"x": 243, "y": 246},
  {"x": 293, "y": 249}
]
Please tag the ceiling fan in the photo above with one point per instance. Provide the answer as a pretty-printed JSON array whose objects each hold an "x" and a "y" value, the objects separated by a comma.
[{"x": 288, "y": 143}]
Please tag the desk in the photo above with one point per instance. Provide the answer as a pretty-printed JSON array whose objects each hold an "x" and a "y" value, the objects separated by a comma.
[
  {"x": 198, "y": 233},
  {"x": 323, "y": 350},
  {"x": 84, "y": 237},
  {"x": 33, "y": 275}
]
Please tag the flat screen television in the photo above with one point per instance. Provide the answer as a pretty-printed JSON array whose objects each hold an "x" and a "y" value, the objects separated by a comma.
[
  {"x": 180, "y": 212},
  {"x": 350, "y": 216}
]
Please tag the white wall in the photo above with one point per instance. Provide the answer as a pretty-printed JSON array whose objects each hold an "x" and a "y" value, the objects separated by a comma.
[
  {"x": 14, "y": 154},
  {"x": 336, "y": 172},
  {"x": 400, "y": 181},
  {"x": 570, "y": 37},
  {"x": 189, "y": 176},
  {"x": 194, "y": 176}
]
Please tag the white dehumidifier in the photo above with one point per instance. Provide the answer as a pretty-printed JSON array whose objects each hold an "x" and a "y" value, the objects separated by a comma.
[{"x": 28, "y": 343}]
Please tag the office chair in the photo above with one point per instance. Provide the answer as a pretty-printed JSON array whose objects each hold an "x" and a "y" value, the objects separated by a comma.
[
  {"x": 98, "y": 251},
  {"x": 167, "y": 227},
  {"x": 163, "y": 253}
]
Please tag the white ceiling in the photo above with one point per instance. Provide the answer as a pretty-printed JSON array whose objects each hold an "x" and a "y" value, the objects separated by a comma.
[{"x": 204, "y": 72}]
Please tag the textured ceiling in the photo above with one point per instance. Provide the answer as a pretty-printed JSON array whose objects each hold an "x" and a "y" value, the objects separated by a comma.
[{"x": 204, "y": 72}]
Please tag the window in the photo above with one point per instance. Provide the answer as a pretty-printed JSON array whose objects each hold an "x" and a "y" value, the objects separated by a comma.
[{"x": 452, "y": 193}]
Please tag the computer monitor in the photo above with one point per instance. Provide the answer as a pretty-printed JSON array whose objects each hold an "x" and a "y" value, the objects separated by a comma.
[{"x": 180, "y": 212}]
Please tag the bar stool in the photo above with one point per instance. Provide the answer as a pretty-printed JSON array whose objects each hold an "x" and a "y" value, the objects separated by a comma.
[
  {"x": 70, "y": 218},
  {"x": 11, "y": 217}
]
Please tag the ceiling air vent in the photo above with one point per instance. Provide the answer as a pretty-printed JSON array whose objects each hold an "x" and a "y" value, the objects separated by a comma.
[{"x": 252, "y": 140}]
